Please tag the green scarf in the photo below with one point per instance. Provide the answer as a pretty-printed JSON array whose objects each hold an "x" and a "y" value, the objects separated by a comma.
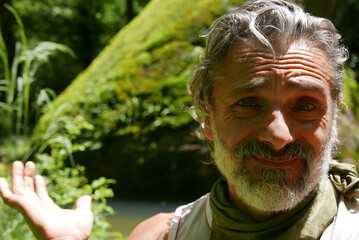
[
  {"x": 344, "y": 178},
  {"x": 307, "y": 221}
]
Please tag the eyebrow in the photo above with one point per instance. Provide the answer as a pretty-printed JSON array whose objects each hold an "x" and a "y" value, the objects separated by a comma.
[
  {"x": 304, "y": 86},
  {"x": 255, "y": 84}
]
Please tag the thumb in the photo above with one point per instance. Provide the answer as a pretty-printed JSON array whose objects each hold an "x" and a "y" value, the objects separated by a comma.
[{"x": 84, "y": 202}]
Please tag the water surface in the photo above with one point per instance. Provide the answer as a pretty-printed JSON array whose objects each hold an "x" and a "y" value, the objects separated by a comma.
[{"x": 130, "y": 213}]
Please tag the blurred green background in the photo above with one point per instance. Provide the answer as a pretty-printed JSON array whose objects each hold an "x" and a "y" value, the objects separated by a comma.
[{"x": 105, "y": 110}]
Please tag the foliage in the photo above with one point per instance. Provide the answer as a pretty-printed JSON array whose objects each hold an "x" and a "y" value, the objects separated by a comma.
[
  {"x": 52, "y": 149},
  {"x": 14, "y": 111},
  {"x": 348, "y": 120},
  {"x": 350, "y": 91},
  {"x": 84, "y": 25},
  {"x": 65, "y": 184}
]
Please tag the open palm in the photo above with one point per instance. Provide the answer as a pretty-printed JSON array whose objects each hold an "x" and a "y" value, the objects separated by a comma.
[{"x": 46, "y": 219}]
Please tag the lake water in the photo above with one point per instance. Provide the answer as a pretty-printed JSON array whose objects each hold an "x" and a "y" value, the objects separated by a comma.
[{"x": 130, "y": 213}]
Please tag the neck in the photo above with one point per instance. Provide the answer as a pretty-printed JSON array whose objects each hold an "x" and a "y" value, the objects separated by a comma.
[{"x": 250, "y": 211}]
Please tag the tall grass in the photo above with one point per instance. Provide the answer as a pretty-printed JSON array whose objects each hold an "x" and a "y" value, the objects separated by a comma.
[{"x": 15, "y": 89}]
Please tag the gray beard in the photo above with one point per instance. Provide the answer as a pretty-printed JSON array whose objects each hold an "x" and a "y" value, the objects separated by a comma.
[{"x": 272, "y": 192}]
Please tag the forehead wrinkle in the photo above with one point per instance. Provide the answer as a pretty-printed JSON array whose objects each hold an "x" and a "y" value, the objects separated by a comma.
[
  {"x": 256, "y": 63},
  {"x": 284, "y": 71},
  {"x": 302, "y": 51},
  {"x": 300, "y": 68},
  {"x": 313, "y": 59},
  {"x": 309, "y": 59},
  {"x": 318, "y": 54},
  {"x": 303, "y": 70}
]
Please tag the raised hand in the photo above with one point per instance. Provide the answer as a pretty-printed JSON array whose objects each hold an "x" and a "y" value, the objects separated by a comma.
[{"x": 46, "y": 219}]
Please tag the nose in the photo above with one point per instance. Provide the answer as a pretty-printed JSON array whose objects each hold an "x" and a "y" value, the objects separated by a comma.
[{"x": 276, "y": 133}]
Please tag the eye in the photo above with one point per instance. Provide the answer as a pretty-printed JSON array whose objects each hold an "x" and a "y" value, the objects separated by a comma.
[
  {"x": 247, "y": 102},
  {"x": 305, "y": 106}
]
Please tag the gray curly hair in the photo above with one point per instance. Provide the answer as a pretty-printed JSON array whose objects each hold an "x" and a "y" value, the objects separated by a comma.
[{"x": 267, "y": 22}]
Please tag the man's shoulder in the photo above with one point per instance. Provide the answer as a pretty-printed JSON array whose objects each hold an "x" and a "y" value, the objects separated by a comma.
[
  {"x": 156, "y": 228},
  {"x": 346, "y": 222},
  {"x": 348, "y": 211},
  {"x": 192, "y": 221},
  {"x": 177, "y": 225}
]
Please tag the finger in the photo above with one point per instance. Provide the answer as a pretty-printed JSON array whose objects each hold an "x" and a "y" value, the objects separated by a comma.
[
  {"x": 5, "y": 192},
  {"x": 41, "y": 191},
  {"x": 84, "y": 203},
  {"x": 17, "y": 177},
  {"x": 29, "y": 173}
]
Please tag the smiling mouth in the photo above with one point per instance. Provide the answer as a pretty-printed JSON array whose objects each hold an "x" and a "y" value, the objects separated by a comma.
[{"x": 274, "y": 162}]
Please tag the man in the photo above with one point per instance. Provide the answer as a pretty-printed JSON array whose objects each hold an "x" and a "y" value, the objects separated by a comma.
[{"x": 269, "y": 86}]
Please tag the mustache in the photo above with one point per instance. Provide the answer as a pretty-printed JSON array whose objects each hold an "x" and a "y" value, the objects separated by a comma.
[{"x": 296, "y": 149}]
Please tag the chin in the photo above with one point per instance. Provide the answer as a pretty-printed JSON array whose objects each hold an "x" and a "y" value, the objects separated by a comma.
[{"x": 272, "y": 193}]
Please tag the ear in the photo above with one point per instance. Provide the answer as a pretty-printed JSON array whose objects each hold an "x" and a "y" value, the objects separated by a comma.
[{"x": 207, "y": 129}]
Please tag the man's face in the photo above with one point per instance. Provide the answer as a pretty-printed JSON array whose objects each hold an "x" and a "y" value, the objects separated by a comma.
[{"x": 272, "y": 123}]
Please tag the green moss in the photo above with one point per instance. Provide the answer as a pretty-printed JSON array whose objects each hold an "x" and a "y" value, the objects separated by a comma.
[{"x": 160, "y": 44}]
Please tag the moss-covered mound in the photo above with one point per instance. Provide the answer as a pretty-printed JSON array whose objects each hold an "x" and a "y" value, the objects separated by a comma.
[{"x": 126, "y": 113}]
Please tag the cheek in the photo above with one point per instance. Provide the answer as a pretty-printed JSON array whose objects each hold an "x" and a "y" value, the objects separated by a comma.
[
  {"x": 316, "y": 134},
  {"x": 234, "y": 131}
]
